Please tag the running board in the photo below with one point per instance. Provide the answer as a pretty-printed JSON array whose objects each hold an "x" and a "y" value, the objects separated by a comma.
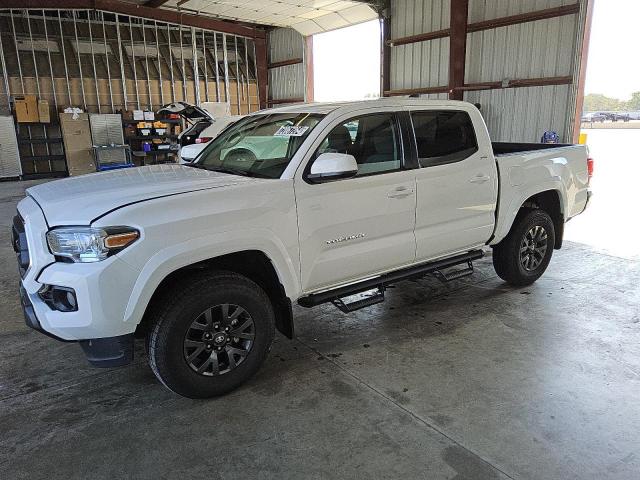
[
  {"x": 337, "y": 295},
  {"x": 445, "y": 277},
  {"x": 367, "y": 301}
]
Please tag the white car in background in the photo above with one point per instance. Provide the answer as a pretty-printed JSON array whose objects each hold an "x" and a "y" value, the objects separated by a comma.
[
  {"x": 190, "y": 152},
  {"x": 204, "y": 123}
]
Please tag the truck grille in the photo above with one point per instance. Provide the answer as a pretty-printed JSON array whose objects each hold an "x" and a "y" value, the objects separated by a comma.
[{"x": 19, "y": 240}]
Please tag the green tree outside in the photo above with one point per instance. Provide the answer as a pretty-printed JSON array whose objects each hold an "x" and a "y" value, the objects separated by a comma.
[{"x": 596, "y": 102}]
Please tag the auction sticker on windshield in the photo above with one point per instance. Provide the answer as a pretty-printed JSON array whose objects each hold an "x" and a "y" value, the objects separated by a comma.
[{"x": 290, "y": 131}]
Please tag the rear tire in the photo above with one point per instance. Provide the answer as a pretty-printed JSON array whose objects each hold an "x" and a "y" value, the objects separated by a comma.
[
  {"x": 524, "y": 254},
  {"x": 211, "y": 335}
]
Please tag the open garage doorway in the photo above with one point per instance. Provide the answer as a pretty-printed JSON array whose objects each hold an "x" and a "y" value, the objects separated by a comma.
[
  {"x": 611, "y": 123},
  {"x": 346, "y": 63}
]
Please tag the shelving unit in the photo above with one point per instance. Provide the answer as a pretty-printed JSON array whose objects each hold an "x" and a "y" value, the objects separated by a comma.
[
  {"x": 137, "y": 140},
  {"x": 41, "y": 150}
]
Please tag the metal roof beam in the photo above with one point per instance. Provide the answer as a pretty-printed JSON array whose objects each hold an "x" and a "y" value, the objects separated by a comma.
[{"x": 143, "y": 11}]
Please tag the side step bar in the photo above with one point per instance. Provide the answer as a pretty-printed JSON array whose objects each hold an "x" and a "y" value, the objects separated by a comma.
[
  {"x": 348, "y": 307},
  {"x": 336, "y": 295},
  {"x": 445, "y": 277}
]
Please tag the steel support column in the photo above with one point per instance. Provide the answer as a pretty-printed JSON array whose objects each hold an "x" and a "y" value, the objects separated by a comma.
[
  {"x": 262, "y": 72},
  {"x": 75, "y": 31},
  {"x": 64, "y": 59},
  {"x": 173, "y": 88},
  {"x": 458, "y": 47},
  {"x": 133, "y": 65},
  {"x": 582, "y": 73},
  {"x": 53, "y": 77},
  {"x": 196, "y": 68},
  {"x": 308, "y": 69},
  {"x": 146, "y": 63},
  {"x": 206, "y": 73},
  {"x": 121, "y": 62},
  {"x": 225, "y": 59},
  {"x": 217, "y": 65},
  {"x": 238, "y": 79},
  {"x": 93, "y": 59},
  {"x": 246, "y": 64},
  {"x": 160, "y": 82},
  {"x": 5, "y": 75},
  {"x": 106, "y": 62},
  {"x": 385, "y": 53}
]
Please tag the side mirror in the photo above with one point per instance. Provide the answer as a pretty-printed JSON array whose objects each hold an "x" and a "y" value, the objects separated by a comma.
[{"x": 332, "y": 166}]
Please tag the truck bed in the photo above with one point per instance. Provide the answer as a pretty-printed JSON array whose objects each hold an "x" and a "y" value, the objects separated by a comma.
[
  {"x": 504, "y": 148},
  {"x": 526, "y": 169}
]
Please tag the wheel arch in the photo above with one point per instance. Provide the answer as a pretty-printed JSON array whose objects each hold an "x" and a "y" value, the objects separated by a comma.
[
  {"x": 253, "y": 264},
  {"x": 549, "y": 201},
  {"x": 549, "y": 198}
]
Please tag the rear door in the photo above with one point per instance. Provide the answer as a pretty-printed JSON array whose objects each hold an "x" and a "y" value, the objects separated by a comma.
[
  {"x": 456, "y": 183},
  {"x": 357, "y": 227}
]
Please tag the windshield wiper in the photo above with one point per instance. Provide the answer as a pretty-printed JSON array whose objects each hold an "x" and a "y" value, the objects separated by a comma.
[
  {"x": 233, "y": 171},
  {"x": 230, "y": 171}
]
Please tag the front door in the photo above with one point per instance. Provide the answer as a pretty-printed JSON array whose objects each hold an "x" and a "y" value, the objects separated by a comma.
[{"x": 361, "y": 226}]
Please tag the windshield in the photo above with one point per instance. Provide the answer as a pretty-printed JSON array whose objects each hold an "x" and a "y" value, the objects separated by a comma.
[{"x": 259, "y": 145}]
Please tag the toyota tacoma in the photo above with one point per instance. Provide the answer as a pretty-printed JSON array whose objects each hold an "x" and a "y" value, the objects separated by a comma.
[{"x": 205, "y": 260}]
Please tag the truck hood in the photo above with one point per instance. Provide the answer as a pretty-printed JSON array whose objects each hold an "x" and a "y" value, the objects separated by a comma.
[{"x": 80, "y": 200}]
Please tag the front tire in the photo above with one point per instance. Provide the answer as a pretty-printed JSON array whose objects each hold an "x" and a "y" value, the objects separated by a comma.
[
  {"x": 211, "y": 335},
  {"x": 524, "y": 254}
]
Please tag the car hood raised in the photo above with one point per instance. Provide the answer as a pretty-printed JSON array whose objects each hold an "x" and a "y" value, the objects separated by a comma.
[{"x": 80, "y": 200}]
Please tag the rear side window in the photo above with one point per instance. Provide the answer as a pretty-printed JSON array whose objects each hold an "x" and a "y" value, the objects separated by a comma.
[{"x": 444, "y": 136}]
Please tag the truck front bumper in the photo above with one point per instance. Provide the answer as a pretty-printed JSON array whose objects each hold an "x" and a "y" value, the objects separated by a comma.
[
  {"x": 101, "y": 291},
  {"x": 100, "y": 352}
]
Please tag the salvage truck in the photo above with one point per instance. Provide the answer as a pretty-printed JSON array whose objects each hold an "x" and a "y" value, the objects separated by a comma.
[{"x": 204, "y": 261}]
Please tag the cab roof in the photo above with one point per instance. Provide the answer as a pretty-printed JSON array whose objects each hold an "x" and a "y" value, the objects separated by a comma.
[{"x": 328, "y": 107}]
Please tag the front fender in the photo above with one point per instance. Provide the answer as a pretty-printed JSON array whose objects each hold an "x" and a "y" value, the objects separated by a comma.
[{"x": 174, "y": 257}]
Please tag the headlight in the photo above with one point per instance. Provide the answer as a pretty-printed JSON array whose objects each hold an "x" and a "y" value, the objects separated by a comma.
[{"x": 86, "y": 244}]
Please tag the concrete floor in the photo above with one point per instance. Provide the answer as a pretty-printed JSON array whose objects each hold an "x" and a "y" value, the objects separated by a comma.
[{"x": 468, "y": 381}]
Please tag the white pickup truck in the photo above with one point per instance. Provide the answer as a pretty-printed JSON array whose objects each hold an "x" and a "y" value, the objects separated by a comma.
[{"x": 205, "y": 261}]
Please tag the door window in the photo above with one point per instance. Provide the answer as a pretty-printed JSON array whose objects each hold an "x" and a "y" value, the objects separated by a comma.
[
  {"x": 373, "y": 140},
  {"x": 443, "y": 136}
]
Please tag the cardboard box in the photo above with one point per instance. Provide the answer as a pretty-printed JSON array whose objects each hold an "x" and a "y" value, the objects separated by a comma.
[
  {"x": 27, "y": 109},
  {"x": 148, "y": 116},
  {"x": 76, "y": 136},
  {"x": 138, "y": 115},
  {"x": 43, "y": 111}
]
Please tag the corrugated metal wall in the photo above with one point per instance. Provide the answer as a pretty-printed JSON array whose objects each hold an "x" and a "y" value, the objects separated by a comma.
[
  {"x": 286, "y": 82},
  {"x": 529, "y": 50},
  {"x": 423, "y": 64},
  {"x": 480, "y": 10},
  {"x": 523, "y": 114},
  {"x": 539, "y": 49}
]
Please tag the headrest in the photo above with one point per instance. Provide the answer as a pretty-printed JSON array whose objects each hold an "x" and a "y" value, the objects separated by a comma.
[
  {"x": 339, "y": 139},
  {"x": 383, "y": 141}
]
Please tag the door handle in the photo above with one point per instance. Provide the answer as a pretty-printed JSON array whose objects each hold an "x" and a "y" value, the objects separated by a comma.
[
  {"x": 400, "y": 192},
  {"x": 480, "y": 178}
]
